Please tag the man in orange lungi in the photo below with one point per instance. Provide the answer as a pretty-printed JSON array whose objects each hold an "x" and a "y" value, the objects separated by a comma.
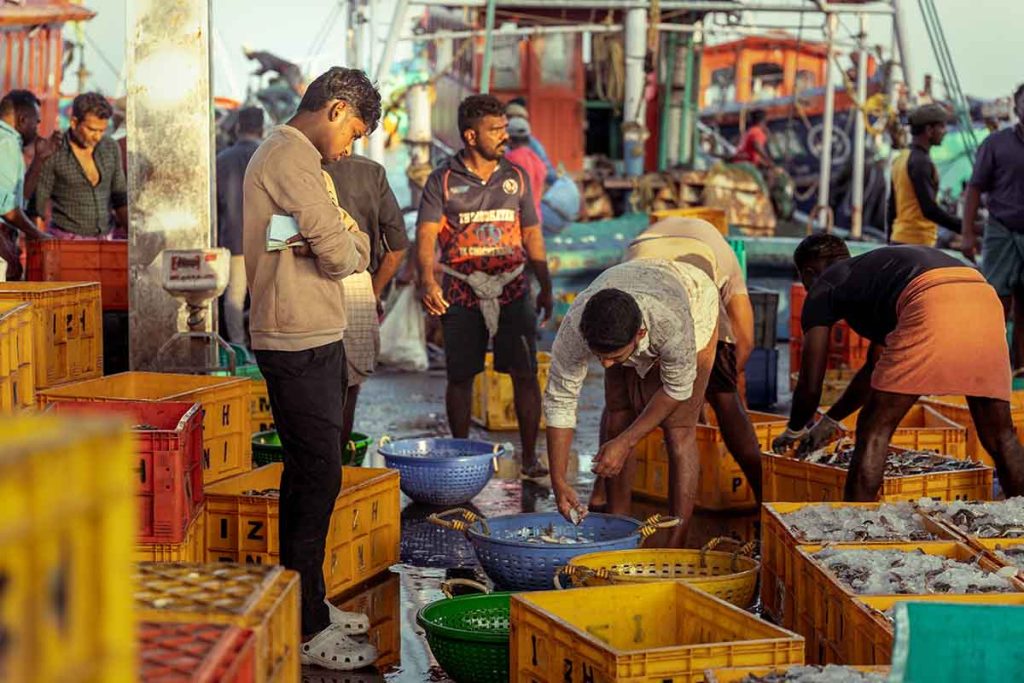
[{"x": 935, "y": 326}]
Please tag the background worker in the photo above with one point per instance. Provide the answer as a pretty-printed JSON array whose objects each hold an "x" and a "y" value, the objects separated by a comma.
[
  {"x": 479, "y": 210},
  {"x": 520, "y": 154},
  {"x": 652, "y": 324},
  {"x": 231, "y": 164},
  {"x": 516, "y": 108},
  {"x": 999, "y": 174},
  {"x": 935, "y": 327},
  {"x": 297, "y": 326},
  {"x": 913, "y": 211},
  {"x": 682, "y": 239},
  {"x": 364, "y": 192},
  {"x": 753, "y": 145}
]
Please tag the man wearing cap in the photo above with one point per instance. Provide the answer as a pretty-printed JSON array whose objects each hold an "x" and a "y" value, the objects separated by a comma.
[
  {"x": 516, "y": 108},
  {"x": 520, "y": 154},
  {"x": 913, "y": 211},
  {"x": 999, "y": 174}
]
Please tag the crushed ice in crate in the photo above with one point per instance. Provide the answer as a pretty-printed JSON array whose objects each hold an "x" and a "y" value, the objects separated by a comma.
[
  {"x": 550, "y": 535},
  {"x": 897, "y": 463},
  {"x": 830, "y": 524},
  {"x": 900, "y": 572},
  {"x": 985, "y": 519},
  {"x": 832, "y": 673},
  {"x": 1014, "y": 555}
]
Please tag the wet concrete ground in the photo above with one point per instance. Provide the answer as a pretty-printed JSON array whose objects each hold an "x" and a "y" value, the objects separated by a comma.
[{"x": 408, "y": 405}]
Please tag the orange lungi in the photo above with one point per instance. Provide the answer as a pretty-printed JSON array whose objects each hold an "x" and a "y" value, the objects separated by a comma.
[{"x": 949, "y": 339}]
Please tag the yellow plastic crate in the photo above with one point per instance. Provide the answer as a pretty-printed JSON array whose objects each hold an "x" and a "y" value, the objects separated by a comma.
[
  {"x": 657, "y": 631},
  {"x": 363, "y": 540},
  {"x": 264, "y": 599},
  {"x": 67, "y": 329},
  {"x": 832, "y": 609},
  {"x": 262, "y": 418},
  {"x": 738, "y": 674},
  {"x": 192, "y": 549},
  {"x": 925, "y": 429},
  {"x": 715, "y": 217},
  {"x": 493, "y": 405},
  {"x": 872, "y": 633},
  {"x": 67, "y": 520},
  {"x": 380, "y": 603},
  {"x": 17, "y": 372},
  {"x": 781, "y": 564},
  {"x": 955, "y": 408},
  {"x": 227, "y": 434},
  {"x": 789, "y": 480}
]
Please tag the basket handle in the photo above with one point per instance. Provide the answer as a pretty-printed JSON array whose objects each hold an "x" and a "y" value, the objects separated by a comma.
[
  {"x": 446, "y": 586},
  {"x": 580, "y": 573},
  {"x": 747, "y": 549},
  {"x": 655, "y": 522},
  {"x": 468, "y": 518},
  {"x": 383, "y": 441}
]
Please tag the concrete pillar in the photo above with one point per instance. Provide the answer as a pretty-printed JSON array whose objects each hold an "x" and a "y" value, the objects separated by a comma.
[
  {"x": 418, "y": 104},
  {"x": 170, "y": 158},
  {"x": 634, "y": 113}
]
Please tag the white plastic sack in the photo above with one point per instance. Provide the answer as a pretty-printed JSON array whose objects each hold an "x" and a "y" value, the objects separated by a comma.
[{"x": 403, "y": 338}]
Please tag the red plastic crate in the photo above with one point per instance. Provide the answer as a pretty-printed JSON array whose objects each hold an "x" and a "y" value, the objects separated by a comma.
[
  {"x": 196, "y": 653},
  {"x": 88, "y": 260},
  {"x": 170, "y": 463},
  {"x": 847, "y": 349}
]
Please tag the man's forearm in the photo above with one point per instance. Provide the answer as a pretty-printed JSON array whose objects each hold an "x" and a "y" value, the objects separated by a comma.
[
  {"x": 972, "y": 200},
  {"x": 533, "y": 242},
  {"x": 658, "y": 408},
  {"x": 806, "y": 399},
  {"x": 854, "y": 396},
  {"x": 22, "y": 223},
  {"x": 35, "y": 170},
  {"x": 559, "y": 445},
  {"x": 389, "y": 264},
  {"x": 425, "y": 243}
]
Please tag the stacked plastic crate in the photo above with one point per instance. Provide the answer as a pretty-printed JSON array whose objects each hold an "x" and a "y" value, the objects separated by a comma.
[
  {"x": 762, "y": 368},
  {"x": 846, "y": 354}
]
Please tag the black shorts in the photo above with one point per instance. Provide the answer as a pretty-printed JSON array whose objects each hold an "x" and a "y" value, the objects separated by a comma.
[
  {"x": 515, "y": 343},
  {"x": 724, "y": 374}
]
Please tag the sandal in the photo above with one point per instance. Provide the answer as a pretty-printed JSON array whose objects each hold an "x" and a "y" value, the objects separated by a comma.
[
  {"x": 332, "y": 649},
  {"x": 353, "y": 623}
]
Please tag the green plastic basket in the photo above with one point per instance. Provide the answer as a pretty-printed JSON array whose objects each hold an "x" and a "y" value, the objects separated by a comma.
[
  {"x": 469, "y": 636},
  {"x": 267, "y": 448}
]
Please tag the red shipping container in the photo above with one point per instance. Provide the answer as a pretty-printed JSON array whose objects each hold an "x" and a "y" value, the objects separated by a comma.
[
  {"x": 170, "y": 470},
  {"x": 102, "y": 261},
  {"x": 196, "y": 653}
]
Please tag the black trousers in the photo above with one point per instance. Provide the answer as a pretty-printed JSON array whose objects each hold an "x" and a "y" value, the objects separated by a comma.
[{"x": 307, "y": 398}]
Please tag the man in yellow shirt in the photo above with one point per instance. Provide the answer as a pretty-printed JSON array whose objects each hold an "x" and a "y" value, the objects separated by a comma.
[{"x": 913, "y": 211}]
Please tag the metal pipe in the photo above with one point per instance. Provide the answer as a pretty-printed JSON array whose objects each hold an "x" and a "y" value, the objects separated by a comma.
[
  {"x": 857, "y": 198},
  {"x": 685, "y": 139},
  {"x": 666, "y": 5},
  {"x": 899, "y": 21},
  {"x": 346, "y": 21},
  {"x": 666, "y": 102},
  {"x": 825, "y": 173},
  {"x": 485, "y": 77},
  {"x": 519, "y": 31},
  {"x": 634, "y": 109}
]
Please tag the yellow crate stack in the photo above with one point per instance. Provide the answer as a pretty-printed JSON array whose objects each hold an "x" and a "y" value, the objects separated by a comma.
[
  {"x": 362, "y": 542},
  {"x": 264, "y": 599},
  {"x": 192, "y": 549},
  {"x": 67, "y": 524},
  {"x": 17, "y": 371},
  {"x": 227, "y": 434},
  {"x": 67, "y": 329},
  {"x": 955, "y": 408},
  {"x": 493, "y": 405}
]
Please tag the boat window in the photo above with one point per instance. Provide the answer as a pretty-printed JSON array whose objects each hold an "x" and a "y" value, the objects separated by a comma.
[
  {"x": 805, "y": 79},
  {"x": 507, "y": 63},
  {"x": 556, "y": 53},
  {"x": 722, "y": 88},
  {"x": 765, "y": 80}
]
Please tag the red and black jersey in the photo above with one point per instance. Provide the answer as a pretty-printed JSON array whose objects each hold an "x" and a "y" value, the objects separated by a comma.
[{"x": 481, "y": 224}]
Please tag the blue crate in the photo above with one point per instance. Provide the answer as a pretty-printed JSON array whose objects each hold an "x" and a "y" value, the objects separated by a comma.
[{"x": 763, "y": 378}]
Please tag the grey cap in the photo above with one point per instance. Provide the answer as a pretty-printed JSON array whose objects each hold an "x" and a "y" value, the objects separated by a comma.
[
  {"x": 518, "y": 127},
  {"x": 928, "y": 113}
]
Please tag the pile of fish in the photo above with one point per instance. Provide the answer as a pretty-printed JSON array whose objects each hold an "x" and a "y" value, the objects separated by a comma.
[
  {"x": 262, "y": 493},
  {"x": 995, "y": 519},
  {"x": 843, "y": 524},
  {"x": 897, "y": 464},
  {"x": 831, "y": 673},
  {"x": 901, "y": 572},
  {"x": 1014, "y": 555},
  {"x": 550, "y": 536}
]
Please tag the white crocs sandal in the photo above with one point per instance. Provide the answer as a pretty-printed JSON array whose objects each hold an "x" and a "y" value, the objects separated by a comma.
[
  {"x": 332, "y": 649},
  {"x": 353, "y": 623}
]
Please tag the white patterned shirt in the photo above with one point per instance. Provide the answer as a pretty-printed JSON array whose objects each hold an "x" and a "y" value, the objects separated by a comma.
[{"x": 679, "y": 305}]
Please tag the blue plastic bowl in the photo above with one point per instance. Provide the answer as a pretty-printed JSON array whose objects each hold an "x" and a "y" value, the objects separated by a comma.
[
  {"x": 441, "y": 471},
  {"x": 514, "y": 564}
]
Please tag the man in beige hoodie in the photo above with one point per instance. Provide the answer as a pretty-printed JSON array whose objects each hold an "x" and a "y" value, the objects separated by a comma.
[{"x": 297, "y": 324}]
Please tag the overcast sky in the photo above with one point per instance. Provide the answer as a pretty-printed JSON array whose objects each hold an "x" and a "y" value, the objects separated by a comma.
[{"x": 984, "y": 37}]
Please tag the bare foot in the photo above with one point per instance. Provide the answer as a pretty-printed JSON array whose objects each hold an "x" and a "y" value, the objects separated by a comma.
[{"x": 534, "y": 471}]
